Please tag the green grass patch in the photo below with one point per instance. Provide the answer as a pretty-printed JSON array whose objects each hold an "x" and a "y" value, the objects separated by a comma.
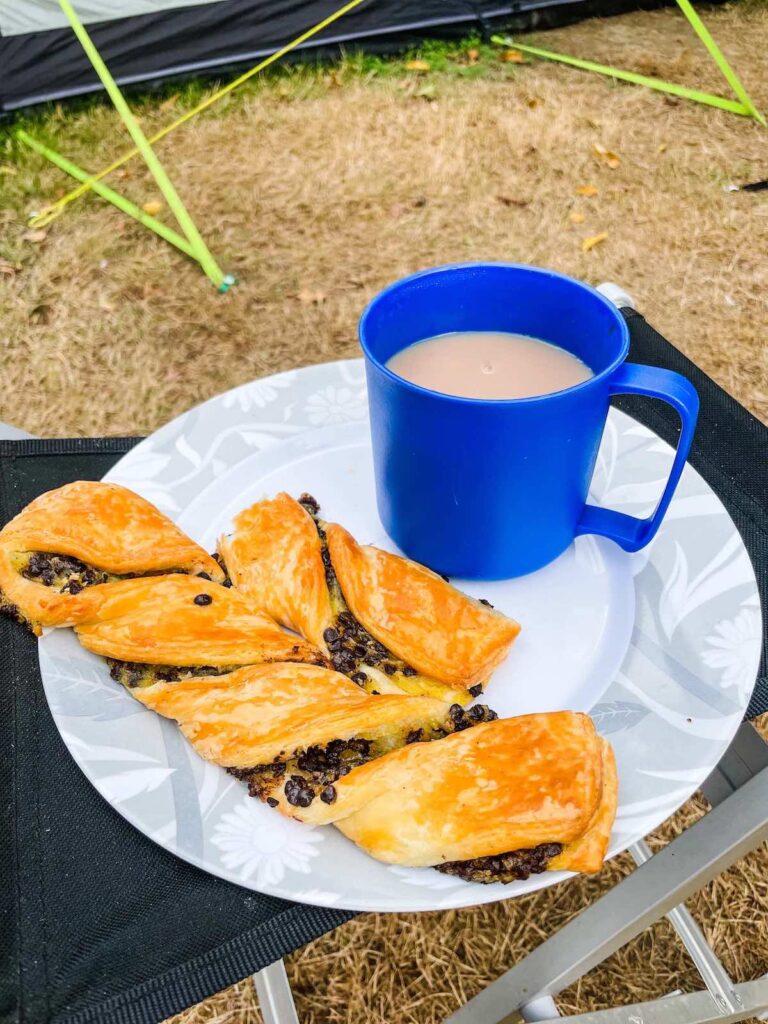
[{"x": 465, "y": 58}]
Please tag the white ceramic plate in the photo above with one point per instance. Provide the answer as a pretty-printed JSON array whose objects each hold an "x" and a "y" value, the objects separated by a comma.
[{"x": 662, "y": 647}]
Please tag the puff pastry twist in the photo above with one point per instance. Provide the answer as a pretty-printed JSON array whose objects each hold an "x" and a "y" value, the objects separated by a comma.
[{"x": 409, "y": 777}]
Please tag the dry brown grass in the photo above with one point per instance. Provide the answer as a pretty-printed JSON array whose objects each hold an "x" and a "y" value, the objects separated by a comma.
[
  {"x": 338, "y": 190},
  {"x": 316, "y": 193}
]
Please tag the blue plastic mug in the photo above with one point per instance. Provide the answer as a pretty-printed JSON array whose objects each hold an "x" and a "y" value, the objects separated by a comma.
[{"x": 490, "y": 489}]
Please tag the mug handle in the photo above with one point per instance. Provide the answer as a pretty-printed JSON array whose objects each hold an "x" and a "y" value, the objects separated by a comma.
[{"x": 629, "y": 532}]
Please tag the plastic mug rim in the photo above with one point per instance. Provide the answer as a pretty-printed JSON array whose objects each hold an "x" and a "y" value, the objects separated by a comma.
[{"x": 495, "y": 402}]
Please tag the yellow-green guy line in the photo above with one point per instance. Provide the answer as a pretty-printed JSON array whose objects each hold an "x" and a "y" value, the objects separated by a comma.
[
  {"x": 47, "y": 215},
  {"x": 718, "y": 56},
  {"x": 743, "y": 106},
  {"x": 111, "y": 196}
]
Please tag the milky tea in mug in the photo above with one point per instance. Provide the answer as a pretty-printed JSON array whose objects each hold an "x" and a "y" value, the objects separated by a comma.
[{"x": 489, "y": 365}]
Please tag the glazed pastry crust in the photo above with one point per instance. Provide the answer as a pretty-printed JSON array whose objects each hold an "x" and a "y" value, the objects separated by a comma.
[
  {"x": 256, "y": 714},
  {"x": 505, "y": 785},
  {"x": 588, "y": 852},
  {"x": 274, "y": 556},
  {"x": 103, "y": 525},
  {"x": 156, "y": 621},
  {"x": 422, "y": 619}
]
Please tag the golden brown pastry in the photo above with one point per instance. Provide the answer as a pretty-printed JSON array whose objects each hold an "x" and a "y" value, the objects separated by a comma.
[
  {"x": 408, "y": 779},
  {"x": 386, "y": 622},
  {"x": 170, "y": 627},
  {"x": 275, "y": 555},
  {"x": 588, "y": 852},
  {"x": 497, "y": 802},
  {"x": 292, "y": 731},
  {"x": 61, "y": 552},
  {"x": 433, "y": 627}
]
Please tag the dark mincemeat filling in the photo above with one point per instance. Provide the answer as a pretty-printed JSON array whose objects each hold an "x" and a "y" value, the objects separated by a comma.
[
  {"x": 70, "y": 575},
  {"x": 135, "y": 674},
  {"x": 504, "y": 867},
  {"x": 312, "y": 772},
  {"x": 226, "y": 582},
  {"x": 63, "y": 572},
  {"x": 351, "y": 646}
]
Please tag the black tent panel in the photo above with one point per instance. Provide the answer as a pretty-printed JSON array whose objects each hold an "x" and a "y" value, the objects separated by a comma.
[{"x": 36, "y": 66}]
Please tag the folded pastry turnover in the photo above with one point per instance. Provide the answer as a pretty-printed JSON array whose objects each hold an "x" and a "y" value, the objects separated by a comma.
[
  {"x": 58, "y": 556},
  {"x": 497, "y": 802},
  {"x": 388, "y": 623},
  {"x": 292, "y": 731},
  {"x": 173, "y": 627}
]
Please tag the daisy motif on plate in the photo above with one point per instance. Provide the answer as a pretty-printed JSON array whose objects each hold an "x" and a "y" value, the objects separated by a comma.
[
  {"x": 261, "y": 846},
  {"x": 335, "y": 405},
  {"x": 731, "y": 648}
]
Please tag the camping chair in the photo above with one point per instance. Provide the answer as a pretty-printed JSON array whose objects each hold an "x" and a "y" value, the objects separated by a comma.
[{"x": 737, "y": 823}]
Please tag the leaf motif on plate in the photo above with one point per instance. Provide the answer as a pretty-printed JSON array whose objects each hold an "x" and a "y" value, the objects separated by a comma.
[
  {"x": 316, "y": 896},
  {"x": 352, "y": 371},
  {"x": 692, "y": 506},
  {"x": 185, "y": 449},
  {"x": 587, "y": 555},
  {"x": 427, "y": 878},
  {"x": 212, "y": 783},
  {"x": 636, "y": 429},
  {"x": 669, "y": 801},
  {"x": 681, "y": 596},
  {"x": 713, "y": 726},
  {"x": 143, "y": 465},
  {"x": 617, "y": 715},
  {"x": 258, "y": 439},
  {"x": 95, "y": 752},
  {"x": 645, "y": 494},
  {"x": 125, "y": 785},
  {"x": 606, "y": 461},
  {"x": 258, "y": 393},
  {"x": 694, "y": 775},
  {"x": 140, "y": 472}
]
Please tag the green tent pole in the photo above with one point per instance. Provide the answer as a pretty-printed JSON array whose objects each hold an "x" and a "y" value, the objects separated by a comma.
[
  {"x": 717, "y": 55},
  {"x": 744, "y": 106},
  {"x": 682, "y": 91},
  {"x": 200, "y": 251},
  {"x": 109, "y": 194}
]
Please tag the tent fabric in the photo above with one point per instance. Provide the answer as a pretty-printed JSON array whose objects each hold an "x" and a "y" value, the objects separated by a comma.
[
  {"x": 40, "y": 63},
  {"x": 17, "y": 16}
]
